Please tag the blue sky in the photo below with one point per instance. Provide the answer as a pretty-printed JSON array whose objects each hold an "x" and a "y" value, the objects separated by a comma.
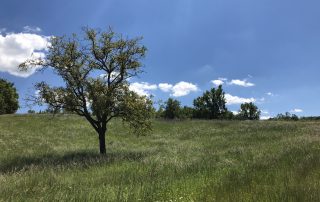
[{"x": 266, "y": 51}]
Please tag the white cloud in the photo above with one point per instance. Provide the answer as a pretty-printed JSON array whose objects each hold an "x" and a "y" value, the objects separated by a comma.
[
  {"x": 183, "y": 88},
  {"x": 237, "y": 100},
  {"x": 179, "y": 89},
  {"x": 264, "y": 111},
  {"x": 217, "y": 82},
  {"x": 270, "y": 94},
  {"x": 165, "y": 87},
  {"x": 239, "y": 82},
  {"x": 235, "y": 112},
  {"x": 265, "y": 117},
  {"x": 142, "y": 88},
  {"x": 16, "y": 48},
  {"x": 296, "y": 111},
  {"x": 31, "y": 29}
]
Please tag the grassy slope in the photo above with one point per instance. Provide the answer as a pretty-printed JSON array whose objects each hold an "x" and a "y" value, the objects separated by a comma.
[{"x": 44, "y": 159}]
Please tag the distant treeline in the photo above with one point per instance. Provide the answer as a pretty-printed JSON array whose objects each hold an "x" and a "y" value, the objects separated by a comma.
[
  {"x": 292, "y": 117},
  {"x": 211, "y": 105},
  {"x": 50, "y": 110}
]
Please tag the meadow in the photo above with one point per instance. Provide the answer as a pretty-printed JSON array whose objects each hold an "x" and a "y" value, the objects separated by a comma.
[{"x": 45, "y": 158}]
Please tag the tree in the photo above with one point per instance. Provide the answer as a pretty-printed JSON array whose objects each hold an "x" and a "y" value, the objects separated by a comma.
[
  {"x": 186, "y": 112},
  {"x": 249, "y": 111},
  {"x": 31, "y": 111},
  {"x": 9, "y": 103},
  {"x": 229, "y": 115},
  {"x": 211, "y": 105},
  {"x": 172, "y": 109},
  {"x": 95, "y": 69}
]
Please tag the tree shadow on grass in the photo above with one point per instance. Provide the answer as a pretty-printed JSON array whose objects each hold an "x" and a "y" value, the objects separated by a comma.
[{"x": 80, "y": 159}]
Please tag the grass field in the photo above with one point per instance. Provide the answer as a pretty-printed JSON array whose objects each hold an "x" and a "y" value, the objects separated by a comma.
[{"x": 56, "y": 159}]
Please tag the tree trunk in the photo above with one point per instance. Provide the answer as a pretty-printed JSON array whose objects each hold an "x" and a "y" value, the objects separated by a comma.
[{"x": 102, "y": 142}]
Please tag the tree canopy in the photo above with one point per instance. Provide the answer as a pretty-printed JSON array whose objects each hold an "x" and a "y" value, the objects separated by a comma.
[
  {"x": 249, "y": 111},
  {"x": 9, "y": 103},
  {"x": 211, "y": 105},
  {"x": 172, "y": 109},
  {"x": 95, "y": 68}
]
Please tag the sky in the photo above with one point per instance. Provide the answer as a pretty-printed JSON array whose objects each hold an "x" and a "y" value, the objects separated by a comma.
[{"x": 264, "y": 51}]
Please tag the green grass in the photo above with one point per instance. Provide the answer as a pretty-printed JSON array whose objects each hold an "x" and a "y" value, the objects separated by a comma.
[{"x": 56, "y": 159}]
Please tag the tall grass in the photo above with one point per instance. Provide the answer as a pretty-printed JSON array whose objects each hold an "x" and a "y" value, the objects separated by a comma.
[{"x": 56, "y": 159}]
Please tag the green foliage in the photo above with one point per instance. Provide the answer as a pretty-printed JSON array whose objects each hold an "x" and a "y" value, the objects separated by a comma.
[
  {"x": 139, "y": 112},
  {"x": 228, "y": 115},
  {"x": 172, "y": 109},
  {"x": 211, "y": 105},
  {"x": 249, "y": 111},
  {"x": 31, "y": 111},
  {"x": 186, "y": 112},
  {"x": 310, "y": 118},
  {"x": 45, "y": 159},
  {"x": 95, "y": 69},
  {"x": 160, "y": 112},
  {"x": 9, "y": 103}
]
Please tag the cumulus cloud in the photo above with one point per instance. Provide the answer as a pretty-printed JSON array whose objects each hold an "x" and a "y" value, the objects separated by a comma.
[
  {"x": 235, "y": 112},
  {"x": 16, "y": 48},
  {"x": 165, "y": 87},
  {"x": 219, "y": 81},
  {"x": 270, "y": 94},
  {"x": 179, "y": 89},
  {"x": 238, "y": 82},
  {"x": 183, "y": 88},
  {"x": 264, "y": 111},
  {"x": 265, "y": 117},
  {"x": 243, "y": 83},
  {"x": 142, "y": 88},
  {"x": 231, "y": 100},
  {"x": 296, "y": 111}
]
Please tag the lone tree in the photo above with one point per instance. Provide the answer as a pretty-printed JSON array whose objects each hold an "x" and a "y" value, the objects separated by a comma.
[
  {"x": 9, "y": 103},
  {"x": 95, "y": 69},
  {"x": 172, "y": 109},
  {"x": 249, "y": 111},
  {"x": 211, "y": 105}
]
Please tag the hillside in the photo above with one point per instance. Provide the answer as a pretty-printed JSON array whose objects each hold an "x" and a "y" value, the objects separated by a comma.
[{"x": 45, "y": 158}]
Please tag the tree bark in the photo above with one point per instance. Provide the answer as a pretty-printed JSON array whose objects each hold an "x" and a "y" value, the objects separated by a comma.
[{"x": 102, "y": 142}]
